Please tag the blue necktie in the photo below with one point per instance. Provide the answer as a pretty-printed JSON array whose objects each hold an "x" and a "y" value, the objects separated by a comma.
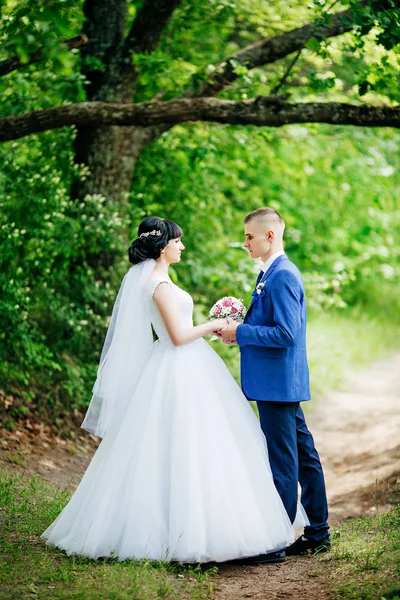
[{"x": 260, "y": 275}]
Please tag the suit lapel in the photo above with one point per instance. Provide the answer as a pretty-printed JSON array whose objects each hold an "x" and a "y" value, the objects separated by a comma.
[
  {"x": 273, "y": 267},
  {"x": 268, "y": 274}
]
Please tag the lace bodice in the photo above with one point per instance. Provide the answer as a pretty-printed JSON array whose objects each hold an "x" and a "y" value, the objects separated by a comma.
[{"x": 185, "y": 306}]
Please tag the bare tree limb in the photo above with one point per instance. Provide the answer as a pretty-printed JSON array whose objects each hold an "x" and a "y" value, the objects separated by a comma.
[
  {"x": 276, "y": 89},
  {"x": 14, "y": 62},
  {"x": 268, "y": 111}
]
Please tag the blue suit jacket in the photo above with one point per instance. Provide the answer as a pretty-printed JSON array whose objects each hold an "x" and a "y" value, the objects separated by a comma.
[{"x": 272, "y": 338}]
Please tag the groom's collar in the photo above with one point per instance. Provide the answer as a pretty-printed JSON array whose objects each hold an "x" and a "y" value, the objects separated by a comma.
[{"x": 271, "y": 260}]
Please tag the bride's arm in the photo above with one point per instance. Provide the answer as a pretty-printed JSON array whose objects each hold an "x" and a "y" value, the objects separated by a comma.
[{"x": 165, "y": 300}]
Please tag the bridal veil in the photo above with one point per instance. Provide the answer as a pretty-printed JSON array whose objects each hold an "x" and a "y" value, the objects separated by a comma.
[{"x": 126, "y": 349}]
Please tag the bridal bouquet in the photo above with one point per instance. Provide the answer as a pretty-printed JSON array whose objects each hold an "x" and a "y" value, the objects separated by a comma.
[{"x": 228, "y": 306}]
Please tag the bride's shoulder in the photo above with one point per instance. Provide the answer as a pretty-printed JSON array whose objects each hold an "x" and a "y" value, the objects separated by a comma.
[{"x": 155, "y": 281}]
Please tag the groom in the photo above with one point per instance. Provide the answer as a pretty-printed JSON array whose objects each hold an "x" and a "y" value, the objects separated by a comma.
[{"x": 274, "y": 373}]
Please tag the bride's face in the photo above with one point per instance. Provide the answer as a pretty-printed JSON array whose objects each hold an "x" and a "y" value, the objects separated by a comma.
[{"x": 173, "y": 250}]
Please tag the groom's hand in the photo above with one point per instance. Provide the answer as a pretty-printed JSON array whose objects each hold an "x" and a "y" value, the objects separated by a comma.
[{"x": 229, "y": 332}]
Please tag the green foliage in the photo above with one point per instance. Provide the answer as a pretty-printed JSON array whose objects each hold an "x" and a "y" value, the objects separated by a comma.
[
  {"x": 33, "y": 24},
  {"x": 338, "y": 193},
  {"x": 29, "y": 568},
  {"x": 202, "y": 34},
  {"x": 338, "y": 188},
  {"x": 56, "y": 285}
]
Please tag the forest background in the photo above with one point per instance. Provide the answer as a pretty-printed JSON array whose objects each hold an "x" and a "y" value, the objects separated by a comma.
[{"x": 72, "y": 197}]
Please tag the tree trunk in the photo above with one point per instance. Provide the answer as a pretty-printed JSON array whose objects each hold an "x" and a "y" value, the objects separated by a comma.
[
  {"x": 111, "y": 152},
  {"x": 108, "y": 152}
]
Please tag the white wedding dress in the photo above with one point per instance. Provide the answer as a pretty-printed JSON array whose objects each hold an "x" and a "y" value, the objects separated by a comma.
[{"x": 185, "y": 476}]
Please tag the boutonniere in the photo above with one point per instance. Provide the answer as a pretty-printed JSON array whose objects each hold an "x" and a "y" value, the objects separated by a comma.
[{"x": 260, "y": 287}]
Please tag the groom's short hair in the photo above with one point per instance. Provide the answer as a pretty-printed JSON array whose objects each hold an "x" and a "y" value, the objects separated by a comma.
[{"x": 267, "y": 215}]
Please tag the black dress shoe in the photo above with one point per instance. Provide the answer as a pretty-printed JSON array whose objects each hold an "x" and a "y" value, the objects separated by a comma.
[
  {"x": 262, "y": 559},
  {"x": 305, "y": 546}
]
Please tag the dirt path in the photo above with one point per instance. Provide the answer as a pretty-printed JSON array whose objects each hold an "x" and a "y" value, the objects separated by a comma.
[{"x": 357, "y": 433}]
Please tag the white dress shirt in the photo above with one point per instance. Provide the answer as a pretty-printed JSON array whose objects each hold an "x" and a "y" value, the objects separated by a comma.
[{"x": 271, "y": 260}]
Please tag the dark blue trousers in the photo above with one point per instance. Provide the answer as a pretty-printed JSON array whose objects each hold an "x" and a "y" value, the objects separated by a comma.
[{"x": 294, "y": 459}]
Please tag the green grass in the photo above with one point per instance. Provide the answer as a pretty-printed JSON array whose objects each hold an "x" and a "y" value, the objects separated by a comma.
[
  {"x": 29, "y": 569},
  {"x": 365, "y": 558},
  {"x": 364, "y": 563}
]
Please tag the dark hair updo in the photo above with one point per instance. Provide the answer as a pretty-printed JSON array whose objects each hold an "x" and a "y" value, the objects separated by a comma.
[{"x": 159, "y": 232}]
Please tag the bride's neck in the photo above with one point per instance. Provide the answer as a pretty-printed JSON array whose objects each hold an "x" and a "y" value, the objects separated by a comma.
[{"x": 162, "y": 267}]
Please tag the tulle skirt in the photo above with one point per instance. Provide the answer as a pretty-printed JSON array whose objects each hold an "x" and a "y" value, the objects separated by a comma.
[{"x": 183, "y": 477}]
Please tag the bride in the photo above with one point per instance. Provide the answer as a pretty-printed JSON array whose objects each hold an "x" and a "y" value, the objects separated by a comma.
[{"x": 182, "y": 472}]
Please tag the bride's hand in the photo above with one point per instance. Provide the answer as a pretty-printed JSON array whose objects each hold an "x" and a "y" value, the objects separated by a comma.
[{"x": 217, "y": 324}]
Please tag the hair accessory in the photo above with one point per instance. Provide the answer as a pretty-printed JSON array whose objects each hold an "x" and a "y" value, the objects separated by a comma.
[{"x": 156, "y": 232}]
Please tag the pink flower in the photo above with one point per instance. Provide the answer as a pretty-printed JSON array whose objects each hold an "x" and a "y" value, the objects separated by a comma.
[{"x": 227, "y": 306}]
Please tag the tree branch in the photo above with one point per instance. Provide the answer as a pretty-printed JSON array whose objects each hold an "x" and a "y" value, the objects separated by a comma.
[
  {"x": 269, "y": 50},
  {"x": 117, "y": 82},
  {"x": 276, "y": 89},
  {"x": 14, "y": 62},
  {"x": 148, "y": 26},
  {"x": 265, "y": 51},
  {"x": 268, "y": 111}
]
